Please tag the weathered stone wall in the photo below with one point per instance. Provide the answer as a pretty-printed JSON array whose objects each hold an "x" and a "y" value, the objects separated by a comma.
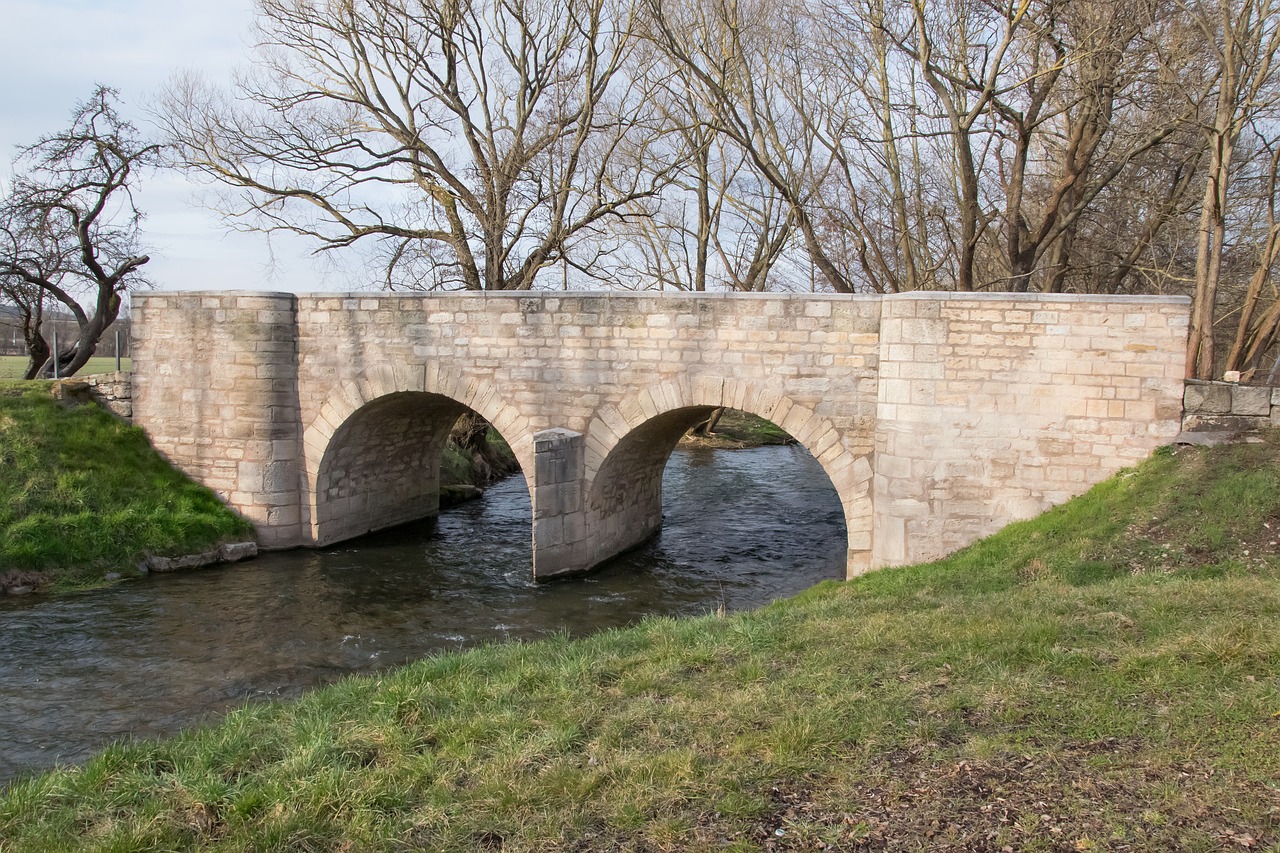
[
  {"x": 215, "y": 386},
  {"x": 113, "y": 391},
  {"x": 1229, "y": 406},
  {"x": 321, "y": 416},
  {"x": 995, "y": 407}
]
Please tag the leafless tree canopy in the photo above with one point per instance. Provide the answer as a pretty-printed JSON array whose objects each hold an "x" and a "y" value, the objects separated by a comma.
[
  {"x": 69, "y": 230},
  {"x": 1102, "y": 146},
  {"x": 472, "y": 141}
]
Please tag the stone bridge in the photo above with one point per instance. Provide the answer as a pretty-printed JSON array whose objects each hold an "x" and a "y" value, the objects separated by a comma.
[{"x": 939, "y": 418}]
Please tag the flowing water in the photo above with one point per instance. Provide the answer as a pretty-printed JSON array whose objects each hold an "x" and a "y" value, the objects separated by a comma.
[{"x": 151, "y": 657}]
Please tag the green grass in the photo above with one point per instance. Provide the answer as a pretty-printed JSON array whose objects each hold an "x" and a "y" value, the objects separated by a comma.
[
  {"x": 1104, "y": 677},
  {"x": 460, "y": 467},
  {"x": 82, "y": 494},
  {"x": 738, "y": 429},
  {"x": 14, "y": 366}
]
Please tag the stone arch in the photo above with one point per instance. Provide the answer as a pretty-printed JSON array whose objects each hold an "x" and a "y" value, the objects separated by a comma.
[
  {"x": 627, "y": 447},
  {"x": 371, "y": 453}
]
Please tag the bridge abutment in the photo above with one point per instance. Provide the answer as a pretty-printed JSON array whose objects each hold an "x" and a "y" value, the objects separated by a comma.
[
  {"x": 216, "y": 388},
  {"x": 994, "y": 408}
]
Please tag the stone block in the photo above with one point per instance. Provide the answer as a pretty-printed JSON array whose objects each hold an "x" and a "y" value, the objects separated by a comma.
[
  {"x": 1207, "y": 399},
  {"x": 575, "y": 528},
  {"x": 1220, "y": 423},
  {"x": 186, "y": 561},
  {"x": 548, "y": 532},
  {"x": 557, "y": 456},
  {"x": 556, "y": 499},
  {"x": 1250, "y": 400},
  {"x": 233, "y": 552}
]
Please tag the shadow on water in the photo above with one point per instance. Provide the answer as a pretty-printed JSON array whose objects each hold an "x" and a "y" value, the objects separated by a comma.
[{"x": 148, "y": 658}]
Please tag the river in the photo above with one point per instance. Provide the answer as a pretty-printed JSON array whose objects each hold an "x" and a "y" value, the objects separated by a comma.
[{"x": 150, "y": 657}]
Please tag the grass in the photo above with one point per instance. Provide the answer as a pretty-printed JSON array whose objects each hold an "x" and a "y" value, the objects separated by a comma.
[
  {"x": 14, "y": 366},
  {"x": 83, "y": 494},
  {"x": 461, "y": 467},
  {"x": 737, "y": 429},
  {"x": 1104, "y": 677}
]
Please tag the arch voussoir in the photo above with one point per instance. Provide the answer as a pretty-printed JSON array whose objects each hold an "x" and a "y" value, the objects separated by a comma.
[
  {"x": 706, "y": 388},
  {"x": 669, "y": 396}
]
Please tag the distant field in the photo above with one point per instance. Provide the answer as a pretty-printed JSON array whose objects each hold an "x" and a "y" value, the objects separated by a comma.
[{"x": 13, "y": 366}]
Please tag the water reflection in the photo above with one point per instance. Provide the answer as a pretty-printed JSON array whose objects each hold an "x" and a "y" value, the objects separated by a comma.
[{"x": 151, "y": 657}]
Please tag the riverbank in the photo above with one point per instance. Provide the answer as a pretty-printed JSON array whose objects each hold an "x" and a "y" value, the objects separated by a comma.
[
  {"x": 85, "y": 500},
  {"x": 738, "y": 430},
  {"x": 464, "y": 473},
  {"x": 1101, "y": 678},
  {"x": 84, "y": 497}
]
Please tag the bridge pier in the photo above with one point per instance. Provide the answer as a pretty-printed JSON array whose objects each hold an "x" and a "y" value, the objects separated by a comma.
[{"x": 560, "y": 542}]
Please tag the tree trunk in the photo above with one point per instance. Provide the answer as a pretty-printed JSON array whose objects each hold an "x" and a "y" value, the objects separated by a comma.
[
  {"x": 1209, "y": 237},
  {"x": 37, "y": 356},
  {"x": 1213, "y": 211},
  {"x": 703, "y": 155},
  {"x": 37, "y": 346},
  {"x": 471, "y": 433},
  {"x": 970, "y": 211},
  {"x": 708, "y": 427}
]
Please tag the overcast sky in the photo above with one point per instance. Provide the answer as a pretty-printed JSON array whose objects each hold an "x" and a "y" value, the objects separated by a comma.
[{"x": 53, "y": 52}]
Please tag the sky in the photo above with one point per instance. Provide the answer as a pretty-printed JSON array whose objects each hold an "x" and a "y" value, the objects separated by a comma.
[{"x": 53, "y": 53}]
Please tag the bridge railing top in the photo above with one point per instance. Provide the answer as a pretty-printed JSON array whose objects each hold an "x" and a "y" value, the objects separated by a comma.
[{"x": 919, "y": 295}]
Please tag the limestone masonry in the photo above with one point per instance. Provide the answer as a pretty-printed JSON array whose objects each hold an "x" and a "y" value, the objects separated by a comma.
[
  {"x": 938, "y": 417},
  {"x": 1229, "y": 407}
]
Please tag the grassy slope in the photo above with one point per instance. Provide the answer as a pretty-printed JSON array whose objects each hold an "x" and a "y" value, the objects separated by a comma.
[
  {"x": 1103, "y": 677},
  {"x": 459, "y": 467},
  {"x": 82, "y": 494}
]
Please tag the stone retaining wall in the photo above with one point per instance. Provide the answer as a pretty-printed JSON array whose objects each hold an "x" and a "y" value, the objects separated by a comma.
[
  {"x": 113, "y": 391},
  {"x": 1229, "y": 407}
]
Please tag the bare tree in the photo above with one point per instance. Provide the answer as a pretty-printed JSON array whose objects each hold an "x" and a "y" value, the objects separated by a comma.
[
  {"x": 27, "y": 302},
  {"x": 69, "y": 229},
  {"x": 886, "y": 182},
  {"x": 746, "y": 61},
  {"x": 1258, "y": 327},
  {"x": 717, "y": 225},
  {"x": 963, "y": 51},
  {"x": 1242, "y": 39},
  {"x": 472, "y": 139}
]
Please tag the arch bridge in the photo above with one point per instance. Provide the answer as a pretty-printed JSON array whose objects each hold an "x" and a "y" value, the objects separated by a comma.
[{"x": 939, "y": 417}]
